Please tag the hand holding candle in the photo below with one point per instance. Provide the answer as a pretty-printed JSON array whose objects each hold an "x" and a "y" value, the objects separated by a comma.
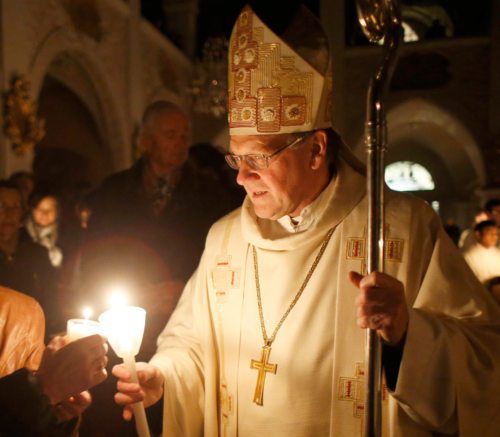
[{"x": 124, "y": 328}]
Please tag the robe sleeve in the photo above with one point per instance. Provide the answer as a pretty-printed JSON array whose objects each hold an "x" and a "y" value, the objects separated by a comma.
[
  {"x": 180, "y": 358},
  {"x": 185, "y": 355},
  {"x": 449, "y": 378}
]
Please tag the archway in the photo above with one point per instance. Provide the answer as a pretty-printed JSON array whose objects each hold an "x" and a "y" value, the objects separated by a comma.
[
  {"x": 72, "y": 150},
  {"x": 71, "y": 62},
  {"x": 421, "y": 132}
]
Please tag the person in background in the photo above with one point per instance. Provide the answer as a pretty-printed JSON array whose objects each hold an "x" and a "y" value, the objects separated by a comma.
[
  {"x": 483, "y": 257},
  {"x": 491, "y": 211},
  {"x": 147, "y": 232},
  {"x": 453, "y": 231},
  {"x": 83, "y": 212},
  {"x": 75, "y": 232},
  {"x": 42, "y": 224},
  {"x": 42, "y": 390},
  {"x": 149, "y": 222},
  {"x": 25, "y": 182},
  {"x": 269, "y": 335},
  {"x": 24, "y": 265}
]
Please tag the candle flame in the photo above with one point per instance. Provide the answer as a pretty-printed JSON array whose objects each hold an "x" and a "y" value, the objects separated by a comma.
[{"x": 87, "y": 312}]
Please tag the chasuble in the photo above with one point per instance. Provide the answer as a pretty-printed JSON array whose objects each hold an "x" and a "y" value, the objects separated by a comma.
[{"x": 311, "y": 380}]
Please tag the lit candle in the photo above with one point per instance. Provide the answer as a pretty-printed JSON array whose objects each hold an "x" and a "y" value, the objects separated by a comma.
[
  {"x": 79, "y": 328},
  {"x": 124, "y": 328}
]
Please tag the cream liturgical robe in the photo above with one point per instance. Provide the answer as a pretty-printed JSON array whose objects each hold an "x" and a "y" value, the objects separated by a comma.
[
  {"x": 483, "y": 261},
  {"x": 449, "y": 373}
]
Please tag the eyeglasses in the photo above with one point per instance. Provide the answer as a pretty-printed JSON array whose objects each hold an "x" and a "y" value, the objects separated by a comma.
[{"x": 259, "y": 161}]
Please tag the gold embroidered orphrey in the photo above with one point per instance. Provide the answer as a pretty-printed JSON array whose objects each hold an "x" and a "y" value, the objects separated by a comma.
[
  {"x": 351, "y": 389},
  {"x": 224, "y": 277},
  {"x": 263, "y": 365},
  {"x": 356, "y": 250}
]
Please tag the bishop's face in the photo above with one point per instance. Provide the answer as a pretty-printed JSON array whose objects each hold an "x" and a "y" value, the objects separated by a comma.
[{"x": 288, "y": 184}]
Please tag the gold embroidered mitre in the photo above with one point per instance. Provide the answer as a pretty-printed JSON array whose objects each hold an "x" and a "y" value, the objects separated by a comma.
[{"x": 274, "y": 88}]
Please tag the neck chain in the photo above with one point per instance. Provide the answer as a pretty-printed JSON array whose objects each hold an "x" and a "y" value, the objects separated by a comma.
[{"x": 263, "y": 365}]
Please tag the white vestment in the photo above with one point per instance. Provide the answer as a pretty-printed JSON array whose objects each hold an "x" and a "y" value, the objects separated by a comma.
[
  {"x": 450, "y": 359},
  {"x": 484, "y": 261}
]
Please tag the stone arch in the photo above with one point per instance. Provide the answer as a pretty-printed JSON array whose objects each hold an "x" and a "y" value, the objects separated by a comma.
[
  {"x": 423, "y": 132},
  {"x": 67, "y": 59},
  {"x": 72, "y": 149}
]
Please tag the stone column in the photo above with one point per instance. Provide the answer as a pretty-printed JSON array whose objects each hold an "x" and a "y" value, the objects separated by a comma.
[
  {"x": 134, "y": 76},
  {"x": 182, "y": 20},
  {"x": 494, "y": 102},
  {"x": 332, "y": 15}
]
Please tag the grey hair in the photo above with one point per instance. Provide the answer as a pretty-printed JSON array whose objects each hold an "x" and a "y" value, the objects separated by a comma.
[{"x": 156, "y": 108}]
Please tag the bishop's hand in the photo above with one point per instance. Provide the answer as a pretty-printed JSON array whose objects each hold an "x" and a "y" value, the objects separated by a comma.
[
  {"x": 149, "y": 390},
  {"x": 381, "y": 305}
]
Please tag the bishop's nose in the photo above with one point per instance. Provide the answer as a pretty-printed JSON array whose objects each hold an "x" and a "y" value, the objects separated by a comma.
[{"x": 244, "y": 173}]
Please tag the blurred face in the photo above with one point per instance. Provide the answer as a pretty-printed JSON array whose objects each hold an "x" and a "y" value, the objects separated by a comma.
[
  {"x": 84, "y": 215},
  {"x": 489, "y": 236},
  {"x": 166, "y": 140},
  {"x": 11, "y": 212},
  {"x": 45, "y": 213},
  {"x": 292, "y": 180}
]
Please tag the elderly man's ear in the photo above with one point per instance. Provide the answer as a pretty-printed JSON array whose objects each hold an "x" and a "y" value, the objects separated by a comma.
[{"x": 318, "y": 150}]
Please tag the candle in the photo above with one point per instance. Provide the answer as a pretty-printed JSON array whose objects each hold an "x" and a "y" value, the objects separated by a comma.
[
  {"x": 124, "y": 328},
  {"x": 79, "y": 328}
]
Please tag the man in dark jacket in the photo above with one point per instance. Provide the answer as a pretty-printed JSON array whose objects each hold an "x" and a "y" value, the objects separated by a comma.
[{"x": 149, "y": 222}]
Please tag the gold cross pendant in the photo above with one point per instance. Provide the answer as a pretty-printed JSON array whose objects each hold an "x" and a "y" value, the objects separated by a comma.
[{"x": 262, "y": 366}]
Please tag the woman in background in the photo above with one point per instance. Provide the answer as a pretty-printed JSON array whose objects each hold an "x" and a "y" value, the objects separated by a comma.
[{"x": 42, "y": 224}]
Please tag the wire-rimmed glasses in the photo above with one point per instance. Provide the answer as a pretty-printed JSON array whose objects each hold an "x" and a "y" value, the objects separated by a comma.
[{"x": 259, "y": 161}]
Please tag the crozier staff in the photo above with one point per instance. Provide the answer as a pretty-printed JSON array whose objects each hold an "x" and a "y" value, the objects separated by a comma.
[
  {"x": 379, "y": 21},
  {"x": 266, "y": 338}
]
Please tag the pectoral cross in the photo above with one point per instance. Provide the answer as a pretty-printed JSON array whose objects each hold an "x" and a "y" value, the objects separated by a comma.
[{"x": 262, "y": 366}]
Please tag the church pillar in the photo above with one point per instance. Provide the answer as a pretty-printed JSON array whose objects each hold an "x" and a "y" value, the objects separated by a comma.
[
  {"x": 494, "y": 104},
  {"x": 333, "y": 21},
  {"x": 135, "y": 68},
  {"x": 182, "y": 18}
]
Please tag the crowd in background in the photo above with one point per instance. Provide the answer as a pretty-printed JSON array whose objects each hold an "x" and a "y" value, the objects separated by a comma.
[
  {"x": 480, "y": 245},
  {"x": 78, "y": 243},
  {"x": 143, "y": 228}
]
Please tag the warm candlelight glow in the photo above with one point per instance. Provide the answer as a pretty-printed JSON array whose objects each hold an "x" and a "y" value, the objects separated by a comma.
[
  {"x": 79, "y": 328},
  {"x": 124, "y": 327},
  {"x": 87, "y": 312},
  {"x": 117, "y": 295}
]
